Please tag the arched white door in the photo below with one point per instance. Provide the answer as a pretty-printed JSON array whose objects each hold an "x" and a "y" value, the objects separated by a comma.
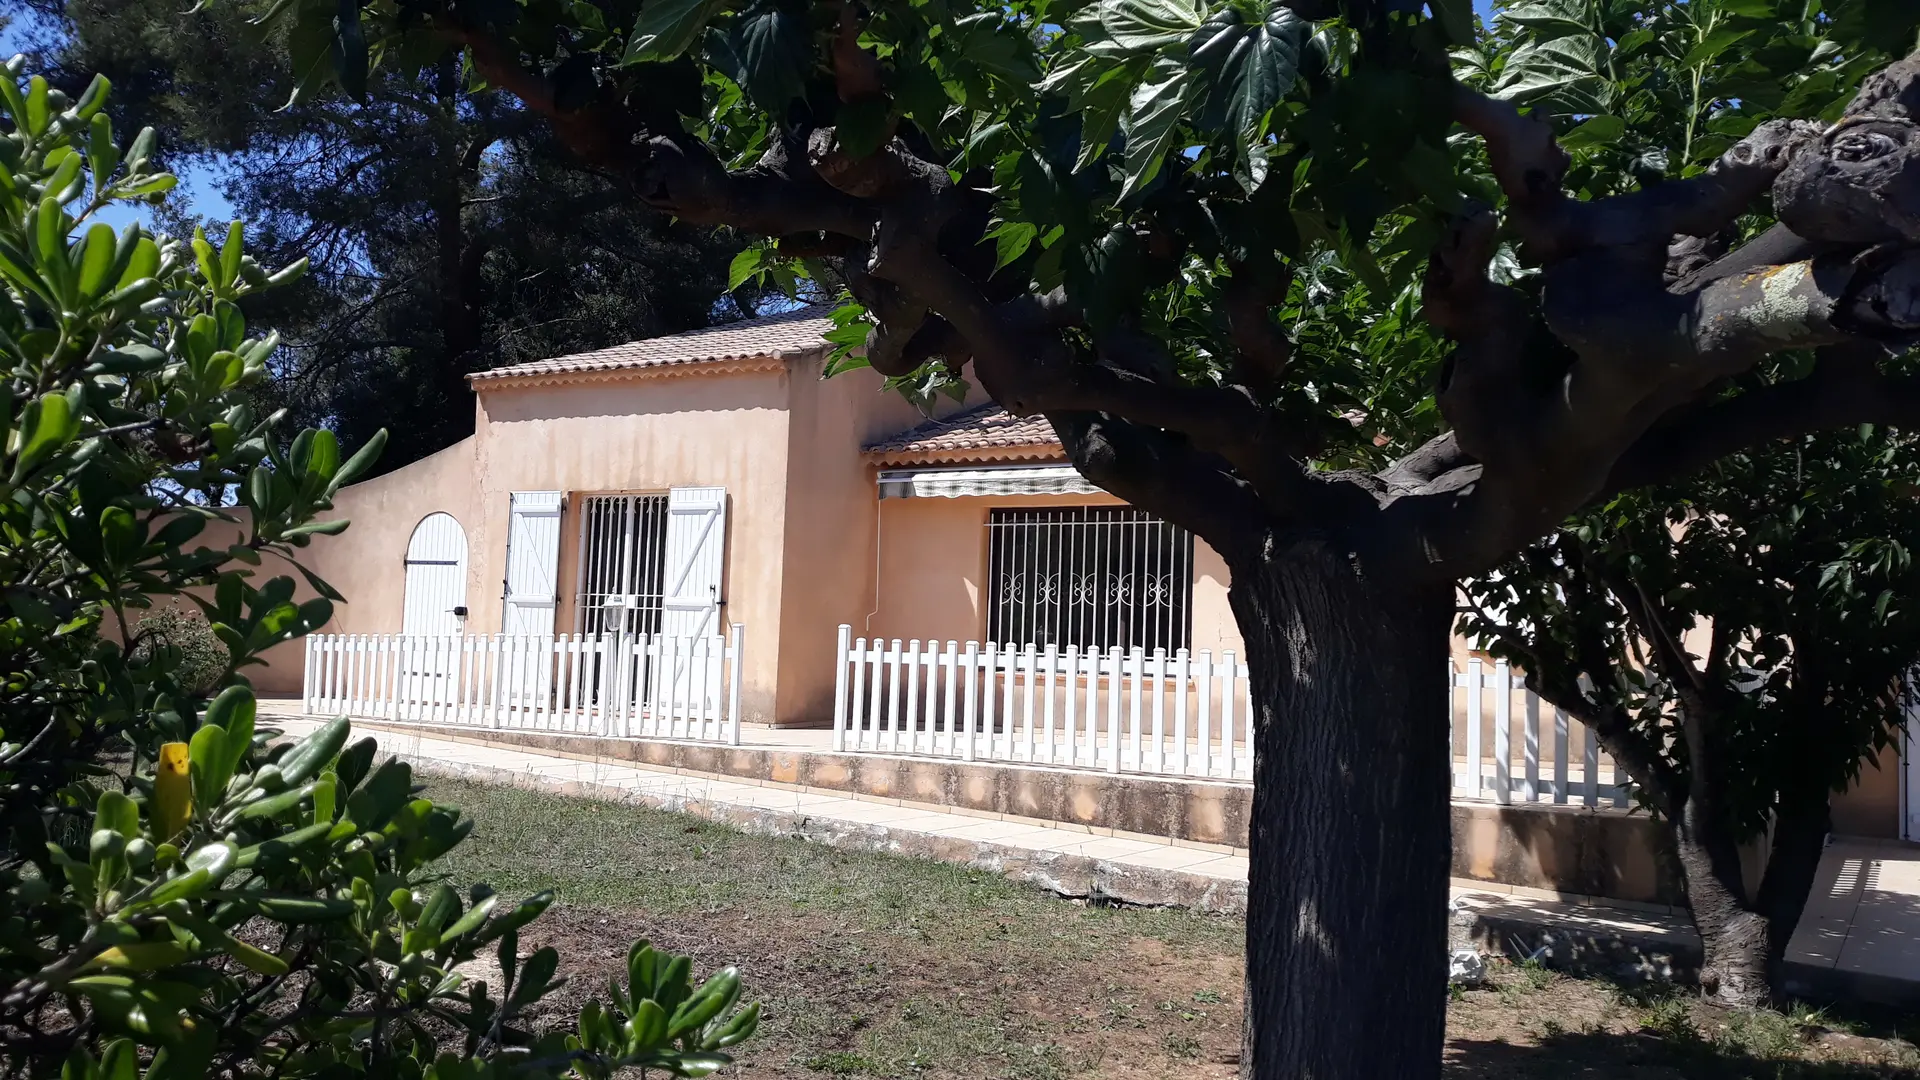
[{"x": 436, "y": 596}]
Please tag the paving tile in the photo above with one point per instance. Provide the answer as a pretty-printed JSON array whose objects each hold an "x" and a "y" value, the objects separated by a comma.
[
  {"x": 915, "y": 821},
  {"x": 1818, "y": 940},
  {"x": 1174, "y": 858},
  {"x": 986, "y": 831},
  {"x": 1039, "y": 838},
  {"x": 1223, "y": 867},
  {"x": 1113, "y": 847}
]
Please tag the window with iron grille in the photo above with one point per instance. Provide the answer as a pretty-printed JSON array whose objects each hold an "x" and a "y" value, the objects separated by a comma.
[
  {"x": 623, "y": 545},
  {"x": 1089, "y": 576}
]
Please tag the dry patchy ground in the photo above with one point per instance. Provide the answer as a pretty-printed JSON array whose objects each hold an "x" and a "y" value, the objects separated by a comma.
[{"x": 873, "y": 966}]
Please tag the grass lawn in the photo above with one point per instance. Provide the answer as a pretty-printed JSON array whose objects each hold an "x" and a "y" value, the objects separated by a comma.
[{"x": 874, "y": 966}]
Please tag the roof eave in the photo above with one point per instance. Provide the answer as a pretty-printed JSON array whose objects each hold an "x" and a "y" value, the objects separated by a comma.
[
  {"x": 503, "y": 378},
  {"x": 1034, "y": 451}
]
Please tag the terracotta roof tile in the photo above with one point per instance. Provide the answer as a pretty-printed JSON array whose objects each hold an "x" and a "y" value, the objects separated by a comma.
[
  {"x": 790, "y": 333},
  {"x": 986, "y": 427}
]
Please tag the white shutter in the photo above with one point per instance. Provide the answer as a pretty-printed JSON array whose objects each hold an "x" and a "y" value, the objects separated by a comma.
[
  {"x": 436, "y": 578},
  {"x": 695, "y": 561},
  {"x": 533, "y": 562}
]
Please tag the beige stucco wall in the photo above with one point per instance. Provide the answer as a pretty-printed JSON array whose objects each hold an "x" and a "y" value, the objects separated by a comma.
[
  {"x": 1871, "y": 807},
  {"x": 367, "y": 563},
  {"x": 831, "y": 513}
]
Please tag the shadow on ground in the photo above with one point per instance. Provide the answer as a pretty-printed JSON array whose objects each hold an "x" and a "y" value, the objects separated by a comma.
[{"x": 1650, "y": 1055}]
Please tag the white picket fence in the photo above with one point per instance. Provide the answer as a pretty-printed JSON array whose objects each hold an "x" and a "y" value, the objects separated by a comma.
[
  {"x": 1118, "y": 711},
  {"x": 1179, "y": 714},
  {"x": 1558, "y": 760},
  {"x": 656, "y": 686}
]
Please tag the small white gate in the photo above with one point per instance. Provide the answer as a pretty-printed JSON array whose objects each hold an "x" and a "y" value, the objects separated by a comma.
[{"x": 435, "y": 601}]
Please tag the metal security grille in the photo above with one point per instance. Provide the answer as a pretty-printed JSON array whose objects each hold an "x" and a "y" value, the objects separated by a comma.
[
  {"x": 1089, "y": 576},
  {"x": 623, "y": 545}
]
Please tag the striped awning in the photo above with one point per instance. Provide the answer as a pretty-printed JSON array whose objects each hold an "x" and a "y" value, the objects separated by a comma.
[{"x": 1007, "y": 480}]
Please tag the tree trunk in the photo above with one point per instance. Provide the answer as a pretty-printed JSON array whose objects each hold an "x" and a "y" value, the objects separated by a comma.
[
  {"x": 1800, "y": 828},
  {"x": 1733, "y": 936},
  {"x": 1347, "y": 894}
]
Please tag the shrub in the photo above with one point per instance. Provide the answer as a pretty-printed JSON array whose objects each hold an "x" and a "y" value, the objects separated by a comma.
[
  {"x": 182, "y": 894},
  {"x": 172, "y": 637}
]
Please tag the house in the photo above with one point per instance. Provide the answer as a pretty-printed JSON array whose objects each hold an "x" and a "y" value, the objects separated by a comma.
[{"x": 672, "y": 488}]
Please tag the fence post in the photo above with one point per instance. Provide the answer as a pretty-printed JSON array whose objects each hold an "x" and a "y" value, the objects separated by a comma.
[
  {"x": 1475, "y": 770},
  {"x": 306, "y": 674},
  {"x": 1503, "y": 733},
  {"x": 972, "y": 699},
  {"x": 1531, "y": 748},
  {"x": 1114, "y": 691},
  {"x": 739, "y": 632},
  {"x": 1228, "y": 693}
]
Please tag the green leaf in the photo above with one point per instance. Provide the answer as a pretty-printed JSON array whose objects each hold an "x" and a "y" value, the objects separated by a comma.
[
  {"x": 768, "y": 53},
  {"x": 1713, "y": 45},
  {"x": 46, "y": 425},
  {"x": 1149, "y": 25},
  {"x": 1153, "y": 124},
  {"x": 116, "y": 812},
  {"x": 314, "y": 752},
  {"x": 1101, "y": 95},
  {"x": 1551, "y": 18},
  {"x": 323, "y": 457},
  {"x": 1595, "y": 131},
  {"x": 1248, "y": 69},
  {"x": 50, "y": 235},
  {"x": 470, "y": 921},
  {"x": 745, "y": 265},
  {"x": 666, "y": 28},
  {"x": 357, "y": 465},
  {"x": 230, "y": 254},
  {"x": 296, "y": 909},
  {"x": 39, "y": 113},
  {"x": 1567, "y": 74},
  {"x": 1011, "y": 240},
  {"x": 270, "y": 806},
  {"x": 96, "y": 261},
  {"x": 139, "y": 956},
  {"x": 209, "y": 756},
  {"x": 986, "y": 40}
]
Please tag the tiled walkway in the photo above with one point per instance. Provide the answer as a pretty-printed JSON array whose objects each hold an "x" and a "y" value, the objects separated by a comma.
[
  {"x": 1860, "y": 937},
  {"x": 1862, "y": 924}
]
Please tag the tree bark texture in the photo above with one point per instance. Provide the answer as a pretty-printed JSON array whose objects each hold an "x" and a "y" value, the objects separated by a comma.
[
  {"x": 1350, "y": 838},
  {"x": 1743, "y": 932}
]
